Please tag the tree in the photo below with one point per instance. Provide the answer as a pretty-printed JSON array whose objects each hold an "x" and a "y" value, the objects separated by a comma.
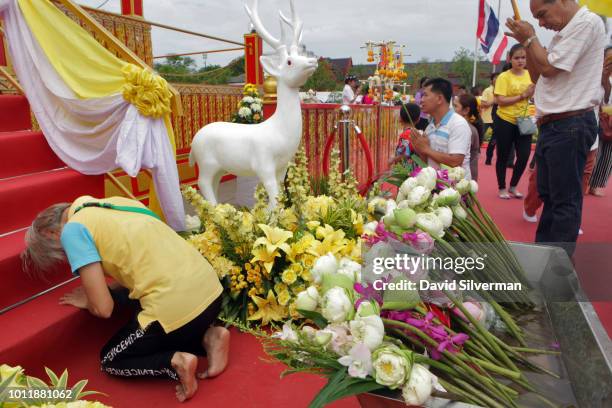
[
  {"x": 323, "y": 79},
  {"x": 424, "y": 68},
  {"x": 463, "y": 65}
]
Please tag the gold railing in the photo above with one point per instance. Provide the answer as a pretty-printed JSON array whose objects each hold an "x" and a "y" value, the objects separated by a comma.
[
  {"x": 202, "y": 104},
  {"x": 133, "y": 33}
]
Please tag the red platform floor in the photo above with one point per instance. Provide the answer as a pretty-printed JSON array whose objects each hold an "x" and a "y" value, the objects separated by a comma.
[{"x": 251, "y": 382}]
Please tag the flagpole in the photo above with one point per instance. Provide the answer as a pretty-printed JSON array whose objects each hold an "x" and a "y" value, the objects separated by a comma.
[
  {"x": 475, "y": 54},
  {"x": 498, "y": 19},
  {"x": 475, "y": 63}
]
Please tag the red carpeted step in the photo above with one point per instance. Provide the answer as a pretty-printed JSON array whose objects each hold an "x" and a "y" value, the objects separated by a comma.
[
  {"x": 16, "y": 284},
  {"x": 21, "y": 198},
  {"x": 24, "y": 152},
  {"x": 43, "y": 333},
  {"x": 14, "y": 113}
]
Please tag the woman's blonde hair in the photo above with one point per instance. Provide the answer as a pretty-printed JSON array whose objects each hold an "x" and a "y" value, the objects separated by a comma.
[{"x": 43, "y": 252}]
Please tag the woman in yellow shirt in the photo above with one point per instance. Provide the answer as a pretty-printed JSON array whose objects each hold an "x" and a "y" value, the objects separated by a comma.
[
  {"x": 177, "y": 292},
  {"x": 513, "y": 89}
]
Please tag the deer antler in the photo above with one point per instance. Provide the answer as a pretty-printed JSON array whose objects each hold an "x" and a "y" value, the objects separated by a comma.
[
  {"x": 254, "y": 16},
  {"x": 294, "y": 23}
]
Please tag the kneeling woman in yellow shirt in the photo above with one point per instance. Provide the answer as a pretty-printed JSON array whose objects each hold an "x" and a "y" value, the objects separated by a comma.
[
  {"x": 513, "y": 89},
  {"x": 177, "y": 291}
]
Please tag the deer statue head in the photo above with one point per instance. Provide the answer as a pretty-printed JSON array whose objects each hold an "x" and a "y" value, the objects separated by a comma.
[
  {"x": 264, "y": 149},
  {"x": 286, "y": 64}
]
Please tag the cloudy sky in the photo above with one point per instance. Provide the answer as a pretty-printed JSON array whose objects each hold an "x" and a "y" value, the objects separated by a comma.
[{"x": 433, "y": 29}]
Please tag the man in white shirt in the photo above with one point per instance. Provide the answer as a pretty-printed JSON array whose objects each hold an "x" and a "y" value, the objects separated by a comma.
[
  {"x": 350, "y": 91},
  {"x": 568, "y": 74},
  {"x": 448, "y": 137}
]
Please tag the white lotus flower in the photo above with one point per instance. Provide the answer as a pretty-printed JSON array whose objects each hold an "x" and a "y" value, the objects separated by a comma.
[
  {"x": 370, "y": 228},
  {"x": 350, "y": 269},
  {"x": 427, "y": 178},
  {"x": 358, "y": 361},
  {"x": 473, "y": 186},
  {"x": 430, "y": 223},
  {"x": 308, "y": 299},
  {"x": 448, "y": 196},
  {"x": 391, "y": 366},
  {"x": 402, "y": 204},
  {"x": 456, "y": 173},
  {"x": 417, "y": 196},
  {"x": 391, "y": 205},
  {"x": 445, "y": 215},
  {"x": 370, "y": 330},
  {"x": 463, "y": 186},
  {"x": 459, "y": 212},
  {"x": 255, "y": 107},
  {"x": 368, "y": 308},
  {"x": 407, "y": 186},
  {"x": 323, "y": 338},
  {"x": 244, "y": 112},
  {"x": 324, "y": 264},
  {"x": 400, "y": 197},
  {"x": 336, "y": 306},
  {"x": 419, "y": 387}
]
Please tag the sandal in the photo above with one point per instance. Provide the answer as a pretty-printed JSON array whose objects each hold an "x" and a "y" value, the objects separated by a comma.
[{"x": 515, "y": 193}]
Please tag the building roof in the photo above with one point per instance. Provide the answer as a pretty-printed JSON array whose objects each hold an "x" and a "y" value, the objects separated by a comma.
[{"x": 340, "y": 66}]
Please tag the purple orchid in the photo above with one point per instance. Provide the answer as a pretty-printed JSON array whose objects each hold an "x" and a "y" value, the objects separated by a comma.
[
  {"x": 451, "y": 344},
  {"x": 419, "y": 240},
  {"x": 380, "y": 234},
  {"x": 415, "y": 172},
  {"x": 369, "y": 293}
]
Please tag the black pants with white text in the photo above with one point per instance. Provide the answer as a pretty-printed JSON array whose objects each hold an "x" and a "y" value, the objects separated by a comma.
[{"x": 137, "y": 352}]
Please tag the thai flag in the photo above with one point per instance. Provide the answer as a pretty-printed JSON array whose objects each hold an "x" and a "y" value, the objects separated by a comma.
[{"x": 492, "y": 39}]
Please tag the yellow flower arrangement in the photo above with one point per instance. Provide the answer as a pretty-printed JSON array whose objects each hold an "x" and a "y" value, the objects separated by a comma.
[
  {"x": 147, "y": 91},
  {"x": 264, "y": 259}
]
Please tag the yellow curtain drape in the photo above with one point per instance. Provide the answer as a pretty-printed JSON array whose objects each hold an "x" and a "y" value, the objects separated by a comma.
[
  {"x": 602, "y": 7},
  {"x": 91, "y": 71}
]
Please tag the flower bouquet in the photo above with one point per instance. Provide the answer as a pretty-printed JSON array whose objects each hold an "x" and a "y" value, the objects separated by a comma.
[
  {"x": 366, "y": 339},
  {"x": 264, "y": 259},
  {"x": 250, "y": 107}
]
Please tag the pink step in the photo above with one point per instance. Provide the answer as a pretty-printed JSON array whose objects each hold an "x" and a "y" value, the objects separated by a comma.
[
  {"x": 16, "y": 284},
  {"x": 22, "y": 198},
  {"x": 14, "y": 113},
  {"x": 24, "y": 152}
]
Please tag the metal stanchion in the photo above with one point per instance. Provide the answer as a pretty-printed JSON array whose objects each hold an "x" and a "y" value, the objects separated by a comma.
[{"x": 345, "y": 130}]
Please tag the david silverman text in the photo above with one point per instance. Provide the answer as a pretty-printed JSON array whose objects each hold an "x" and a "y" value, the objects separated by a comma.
[{"x": 464, "y": 284}]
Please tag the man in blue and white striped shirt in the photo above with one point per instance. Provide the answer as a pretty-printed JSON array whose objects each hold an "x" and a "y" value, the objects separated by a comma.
[{"x": 447, "y": 139}]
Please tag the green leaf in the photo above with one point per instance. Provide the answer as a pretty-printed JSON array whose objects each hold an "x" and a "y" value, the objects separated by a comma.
[
  {"x": 62, "y": 384},
  {"x": 34, "y": 382},
  {"x": 330, "y": 388},
  {"x": 362, "y": 386},
  {"x": 52, "y": 376},
  {"x": 331, "y": 280},
  {"x": 316, "y": 317},
  {"x": 77, "y": 389},
  {"x": 8, "y": 380}
]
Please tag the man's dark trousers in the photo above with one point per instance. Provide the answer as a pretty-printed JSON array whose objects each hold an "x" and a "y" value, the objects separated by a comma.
[{"x": 560, "y": 156}]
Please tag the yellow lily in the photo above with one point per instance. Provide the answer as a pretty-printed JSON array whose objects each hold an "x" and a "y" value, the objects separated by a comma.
[
  {"x": 275, "y": 238},
  {"x": 268, "y": 309},
  {"x": 263, "y": 255},
  {"x": 299, "y": 248}
]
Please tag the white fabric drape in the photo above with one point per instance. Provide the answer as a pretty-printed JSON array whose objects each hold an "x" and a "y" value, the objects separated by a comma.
[{"x": 92, "y": 136}]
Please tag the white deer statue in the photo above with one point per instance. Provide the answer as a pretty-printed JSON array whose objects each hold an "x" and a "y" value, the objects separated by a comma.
[{"x": 264, "y": 149}]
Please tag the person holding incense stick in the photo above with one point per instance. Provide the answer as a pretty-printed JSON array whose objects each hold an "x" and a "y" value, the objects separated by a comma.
[{"x": 568, "y": 89}]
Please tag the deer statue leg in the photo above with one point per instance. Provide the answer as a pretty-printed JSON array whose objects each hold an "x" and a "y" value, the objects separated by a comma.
[
  {"x": 206, "y": 182},
  {"x": 268, "y": 178}
]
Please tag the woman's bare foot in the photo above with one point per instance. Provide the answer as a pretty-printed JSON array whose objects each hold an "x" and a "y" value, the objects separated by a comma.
[
  {"x": 216, "y": 343},
  {"x": 185, "y": 365}
]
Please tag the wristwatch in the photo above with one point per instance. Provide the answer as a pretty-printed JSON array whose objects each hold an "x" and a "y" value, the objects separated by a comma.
[{"x": 527, "y": 43}]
